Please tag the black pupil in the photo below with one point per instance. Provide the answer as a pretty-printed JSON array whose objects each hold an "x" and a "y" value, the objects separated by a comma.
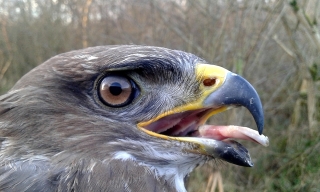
[{"x": 115, "y": 88}]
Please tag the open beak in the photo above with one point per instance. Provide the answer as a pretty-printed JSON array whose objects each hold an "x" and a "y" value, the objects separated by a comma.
[{"x": 220, "y": 90}]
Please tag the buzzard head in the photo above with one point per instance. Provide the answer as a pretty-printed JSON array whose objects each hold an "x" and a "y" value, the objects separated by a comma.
[{"x": 120, "y": 118}]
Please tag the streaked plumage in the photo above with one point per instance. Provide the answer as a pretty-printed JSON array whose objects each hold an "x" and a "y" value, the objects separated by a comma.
[{"x": 58, "y": 135}]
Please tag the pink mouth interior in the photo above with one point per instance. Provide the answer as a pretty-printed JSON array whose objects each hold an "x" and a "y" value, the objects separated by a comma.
[{"x": 187, "y": 124}]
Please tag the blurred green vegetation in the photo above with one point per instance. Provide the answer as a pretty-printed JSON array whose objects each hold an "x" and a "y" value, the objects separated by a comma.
[{"x": 273, "y": 44}]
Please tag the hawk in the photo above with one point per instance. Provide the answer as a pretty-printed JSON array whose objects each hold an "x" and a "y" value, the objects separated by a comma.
[{"x": 121, "y": 118}]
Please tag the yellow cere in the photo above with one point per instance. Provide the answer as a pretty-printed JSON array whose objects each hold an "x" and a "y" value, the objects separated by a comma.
[{"x": 207, "y": 71}]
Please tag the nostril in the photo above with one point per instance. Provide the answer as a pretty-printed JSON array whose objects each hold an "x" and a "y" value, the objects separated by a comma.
[{"x": 209, "y": 82}]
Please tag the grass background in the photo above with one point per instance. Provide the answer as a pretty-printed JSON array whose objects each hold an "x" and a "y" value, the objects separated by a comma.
[{"x": 275, "y": 45}]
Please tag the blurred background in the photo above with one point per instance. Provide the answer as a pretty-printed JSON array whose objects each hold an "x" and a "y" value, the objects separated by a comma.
[{"x": 274, "y": 44}]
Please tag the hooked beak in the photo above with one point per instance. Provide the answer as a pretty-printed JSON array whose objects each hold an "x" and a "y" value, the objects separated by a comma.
[{"x": 220, "y": 91}]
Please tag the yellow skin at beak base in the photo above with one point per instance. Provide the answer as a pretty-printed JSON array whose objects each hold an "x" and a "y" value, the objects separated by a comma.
[{"x": 202, "y": 72}]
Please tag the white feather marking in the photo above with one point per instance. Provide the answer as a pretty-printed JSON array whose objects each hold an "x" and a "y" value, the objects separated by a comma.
[
  {"x": 86, "y": 57},
  {"x": 122, "y": 155},
  {"x": 5, "y": 144},
  {"x": 91, "y": 58},
  {"x": 92, "y": 165},
  {"x": 39, "y": 158},
  {"x": 179, "y": 164}
]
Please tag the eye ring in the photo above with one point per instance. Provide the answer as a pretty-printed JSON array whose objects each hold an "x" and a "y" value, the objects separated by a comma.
[{"x": 117, "y": 90}]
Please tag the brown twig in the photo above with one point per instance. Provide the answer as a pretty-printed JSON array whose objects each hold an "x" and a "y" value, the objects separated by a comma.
[
  {"x": 8, "y": 47},
  {"x": 214, "y": 180},
  {"x": 84, "y": 23}
]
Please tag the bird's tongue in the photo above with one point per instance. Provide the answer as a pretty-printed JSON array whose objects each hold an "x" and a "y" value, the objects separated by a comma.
[{"x": 219, "y": 132}]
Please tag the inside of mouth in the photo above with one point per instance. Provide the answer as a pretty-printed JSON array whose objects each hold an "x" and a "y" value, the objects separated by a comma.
[
  {"x": 185, "y": 124},
  {"x": 189, "y": 124}
]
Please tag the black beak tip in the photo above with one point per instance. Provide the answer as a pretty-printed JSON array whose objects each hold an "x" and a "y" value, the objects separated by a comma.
[
  {"x": 260, "y": 126},
  {"x": 233, "y": 152},
  {"x": 256, "y": 111}
]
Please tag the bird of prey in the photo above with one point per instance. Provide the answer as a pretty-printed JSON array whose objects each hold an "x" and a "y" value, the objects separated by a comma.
[{"x": 120, "y": 118}]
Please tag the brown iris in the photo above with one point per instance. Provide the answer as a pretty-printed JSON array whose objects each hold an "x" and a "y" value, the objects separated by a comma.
[{"x": 116, "y": 90}]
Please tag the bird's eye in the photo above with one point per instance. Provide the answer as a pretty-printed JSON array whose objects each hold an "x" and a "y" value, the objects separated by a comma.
[{"x": 117, "y": 91}]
